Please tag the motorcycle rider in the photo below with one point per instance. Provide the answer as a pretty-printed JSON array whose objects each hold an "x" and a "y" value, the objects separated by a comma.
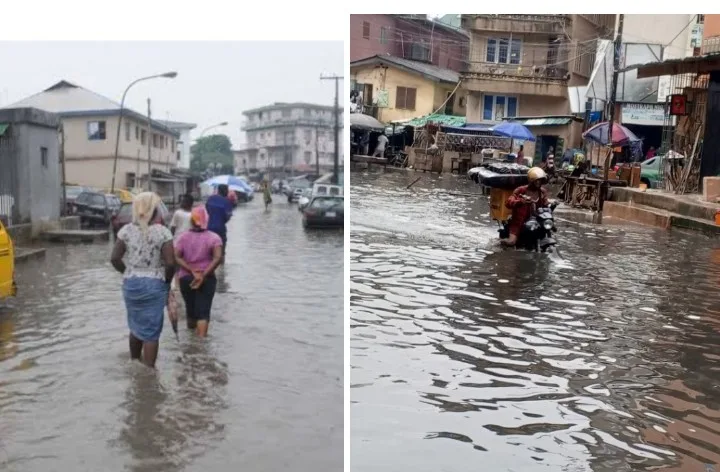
[{"x": 523, "y": 202}]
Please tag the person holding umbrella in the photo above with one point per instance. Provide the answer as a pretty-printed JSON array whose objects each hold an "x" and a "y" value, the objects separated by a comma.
[
  {"x": 143, "y": 253},
  {"x": 198, "y": 253},
  {"x": 219, "y": 210}
]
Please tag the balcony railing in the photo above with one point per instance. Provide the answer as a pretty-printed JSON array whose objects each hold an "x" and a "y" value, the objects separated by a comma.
[
  {"x": 710, "y": 45},
  {"x": 287, "y": 122},
  {"x": 540, "y": 73},
  {"x": 541, "y": 24}
]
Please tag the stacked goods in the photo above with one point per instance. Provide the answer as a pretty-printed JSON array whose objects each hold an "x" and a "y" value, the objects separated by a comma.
[{"x": 503, "y": 175}]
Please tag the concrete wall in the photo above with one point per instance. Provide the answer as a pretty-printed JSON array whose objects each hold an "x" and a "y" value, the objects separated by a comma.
[
  {"x": 38, "y": 193},
  {"x": 660, "y": 29}
]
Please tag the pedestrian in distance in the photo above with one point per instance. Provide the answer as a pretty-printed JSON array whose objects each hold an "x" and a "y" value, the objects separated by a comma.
[
  {"x": 267, "y": 195},
  {"x": 219, "y": 209},
  {"x": 180, "y": 223},
  {"x": 198, "y": 253},
  {"x": 143, "y": 253},
  {"x": 382, "y": 141}
]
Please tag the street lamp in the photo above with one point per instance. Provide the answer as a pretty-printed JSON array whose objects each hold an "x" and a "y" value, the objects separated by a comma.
[
  {"x": 167, "y": 75},
  {"x": 224, "y": 123}
]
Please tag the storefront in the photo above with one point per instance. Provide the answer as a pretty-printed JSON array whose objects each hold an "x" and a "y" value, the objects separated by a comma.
[{"x": 646, "y": 120}]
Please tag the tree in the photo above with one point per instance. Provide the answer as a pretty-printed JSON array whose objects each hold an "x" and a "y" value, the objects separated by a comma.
[{"x": 214, "y": 149}]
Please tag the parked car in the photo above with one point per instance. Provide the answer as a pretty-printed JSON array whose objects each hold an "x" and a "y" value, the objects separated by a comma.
[
  {"x": 295, "y": 195},
  {"x": 95, "y": 208},
  {"x": 650, "y": 169},
  {"x": 124, "y": 216},
  {"x": 7, "y": 264},
  {"x": 304, "y": 199},
  {"x": 125, "y": 195},
  {"x": 71, "y": 194},
  {"x": 325, "y": 212}
]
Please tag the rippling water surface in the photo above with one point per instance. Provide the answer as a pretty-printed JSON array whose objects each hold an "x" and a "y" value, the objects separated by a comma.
[
  {"x": 465, "y": 357},
  {"x": 262, "y": 393}
]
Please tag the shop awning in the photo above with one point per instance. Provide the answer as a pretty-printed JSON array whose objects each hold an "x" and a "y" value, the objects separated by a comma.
[
  {"x": 544, "y": 121},
  {"x": 439, "y": 119},
  {"x": 3, "y": 128}
]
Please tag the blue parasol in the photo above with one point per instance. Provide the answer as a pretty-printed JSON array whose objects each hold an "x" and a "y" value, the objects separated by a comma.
[{"x": 513, "y": 130}]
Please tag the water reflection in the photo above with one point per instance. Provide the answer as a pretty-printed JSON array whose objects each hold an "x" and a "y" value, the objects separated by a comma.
[{"x": 603, "y": 361}]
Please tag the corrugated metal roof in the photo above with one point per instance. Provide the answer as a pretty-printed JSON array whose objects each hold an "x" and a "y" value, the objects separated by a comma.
[
  {"x": 545, "y": 121},
  {"x": 422, "y": 68},
  {"x": 443, "y": 120}
]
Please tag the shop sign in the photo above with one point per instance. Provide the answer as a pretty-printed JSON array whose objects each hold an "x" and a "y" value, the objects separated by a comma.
[{"x": 646, "y": 114}]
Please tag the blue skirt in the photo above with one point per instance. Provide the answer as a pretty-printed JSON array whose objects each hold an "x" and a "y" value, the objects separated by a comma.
[{"x": 145, "y": 300}]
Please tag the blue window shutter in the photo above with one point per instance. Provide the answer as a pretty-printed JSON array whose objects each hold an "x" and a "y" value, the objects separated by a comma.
[
  {"x": 488, "y": 107},
  {"x": 491, "y": 50},
  {"x": 512, "y": 107}
]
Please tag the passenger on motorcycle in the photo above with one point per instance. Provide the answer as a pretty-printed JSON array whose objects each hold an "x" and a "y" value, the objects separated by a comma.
[{"x": 524, "y": 201}]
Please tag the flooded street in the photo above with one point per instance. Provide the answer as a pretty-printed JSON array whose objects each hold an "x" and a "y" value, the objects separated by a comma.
[
  {"x": 264, "y": 392},
  {"x": 465, "y": 357}
]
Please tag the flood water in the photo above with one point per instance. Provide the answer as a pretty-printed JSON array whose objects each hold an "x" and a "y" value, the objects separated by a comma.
[
  {"x": 264, "y": 392},
  {"x": 465, "y": 357}
]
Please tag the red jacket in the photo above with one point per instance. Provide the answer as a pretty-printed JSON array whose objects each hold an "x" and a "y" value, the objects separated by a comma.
[{"x": 521, "y": 209}]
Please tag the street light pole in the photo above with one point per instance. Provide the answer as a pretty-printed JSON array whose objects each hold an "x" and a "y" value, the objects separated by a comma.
[
  {"x": 167, "y": 75},
  {"x": 336, "y": 163}
]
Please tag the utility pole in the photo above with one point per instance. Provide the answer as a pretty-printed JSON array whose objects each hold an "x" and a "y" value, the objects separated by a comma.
[
  {"x": 148, "y": 143},
  {"x": 336, "y": 163},
  {"x": 317, "y": 151},
  {"x": 611, "y": 112}
]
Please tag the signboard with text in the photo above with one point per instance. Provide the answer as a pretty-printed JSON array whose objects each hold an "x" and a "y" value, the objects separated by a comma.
[{"x": 645, "y": 114}]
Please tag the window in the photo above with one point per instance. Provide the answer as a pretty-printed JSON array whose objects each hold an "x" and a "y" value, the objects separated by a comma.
[
  {"x": 172, "y": 146},
  {"x": 308, "y": 135},
  {"x": 44, "y": 156},
  {"x": 405, "y": 98},
  {"x": 497, "y": 107},
  {"x": 308, "y": 113},
  {"x": 143, "y": 137},
  {"x": 503, "y": 50},
  {"x": 308, "y": 157},
  {"x": 287, "y": 113},
  {"x": 137, "y": 133},
  {"x": 178, "y": 155},
  {"x": 127, "y": 131},
  {"x": 167, "y": 142},
  {"x": 366, "y": 30},
  {"x": 96, "y": 130},
  {"x": 383, "y": 35}
]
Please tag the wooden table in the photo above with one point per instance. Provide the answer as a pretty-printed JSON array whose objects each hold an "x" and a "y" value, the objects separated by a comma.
[{"x": 584, "y": 192}]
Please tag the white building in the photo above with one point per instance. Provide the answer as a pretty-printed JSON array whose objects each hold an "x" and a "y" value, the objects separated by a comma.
[
  {"x": 183, "y": 144},
  {"x": 285, "y": 136}
]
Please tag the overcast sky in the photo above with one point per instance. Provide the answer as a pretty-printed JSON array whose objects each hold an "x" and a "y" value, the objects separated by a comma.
[{"x": 216, "y": 80}]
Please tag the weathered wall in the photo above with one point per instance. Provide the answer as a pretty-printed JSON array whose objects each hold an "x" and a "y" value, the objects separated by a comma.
[
  {"x": 389, "y": 79},
  {"x": 711, "y": 27}
]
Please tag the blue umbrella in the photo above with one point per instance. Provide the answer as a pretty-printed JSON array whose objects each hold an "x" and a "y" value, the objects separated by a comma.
[
  {"x": 233, "y": 183},
  {"x": 513, "y": 130}
]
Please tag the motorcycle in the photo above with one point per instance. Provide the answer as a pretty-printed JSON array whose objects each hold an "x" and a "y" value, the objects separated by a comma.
[{"x": 537, "y": 232}]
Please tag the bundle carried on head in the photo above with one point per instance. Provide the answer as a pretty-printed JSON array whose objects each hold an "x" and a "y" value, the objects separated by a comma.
[{"x": 143, "y": 208}]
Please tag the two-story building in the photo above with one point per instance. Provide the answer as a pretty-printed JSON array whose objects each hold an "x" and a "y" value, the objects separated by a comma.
[
  {"x": 522, "y": 65},
  {"x": 286, "y": 137},
  {"x": 89, "y": 129}
]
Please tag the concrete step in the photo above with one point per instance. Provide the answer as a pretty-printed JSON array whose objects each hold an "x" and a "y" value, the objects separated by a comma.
[
  {"x": 23, "y": 254},
  {"x": 651, "y": 216},
  {"x": 76, "y": 235},
  {"x": 686, "y": 205}
]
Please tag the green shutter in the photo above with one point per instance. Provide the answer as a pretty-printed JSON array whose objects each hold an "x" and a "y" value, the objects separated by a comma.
[{"x": 3, "y": 128}]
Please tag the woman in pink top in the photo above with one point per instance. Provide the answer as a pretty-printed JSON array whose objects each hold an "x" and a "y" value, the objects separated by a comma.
[{"x": 198, "y": 253}]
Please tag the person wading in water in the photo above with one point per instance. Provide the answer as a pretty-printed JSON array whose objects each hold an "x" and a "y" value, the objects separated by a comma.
[
  {"x": 143, "y": 253},
  {"x": 267, "y": 195},
  {"x": 198, "y": 253},
  {"x": 219, "y": 209}
]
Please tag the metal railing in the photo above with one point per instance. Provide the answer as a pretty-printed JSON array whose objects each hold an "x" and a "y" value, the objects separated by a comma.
[
  {"x": 9, "y": 176},
  {"x": 531, "y": 72}
]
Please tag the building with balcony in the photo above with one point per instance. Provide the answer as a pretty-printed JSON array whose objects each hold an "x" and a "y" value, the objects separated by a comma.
[
  {"x": 183, "y": 144},
  {"x": 288, "y": 137},
  {"x": 397, "y": 89},
  {"x": 412, "y": 37},
  {"x": 523, "y": 66},
  {"x": 89, "y": 128}
]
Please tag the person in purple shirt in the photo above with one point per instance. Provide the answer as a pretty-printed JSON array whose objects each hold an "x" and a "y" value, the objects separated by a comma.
[{"x": 219, "y": 208}]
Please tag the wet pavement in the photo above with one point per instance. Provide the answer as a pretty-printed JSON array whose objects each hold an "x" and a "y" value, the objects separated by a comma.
[
  {"x": 464, "y": 357},
  {"x": 264, "y": 392}
]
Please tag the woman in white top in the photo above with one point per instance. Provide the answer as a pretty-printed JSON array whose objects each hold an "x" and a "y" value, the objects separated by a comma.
[
  {"x": 181, "y": 218},
  {"x": 143, "y": 253}
]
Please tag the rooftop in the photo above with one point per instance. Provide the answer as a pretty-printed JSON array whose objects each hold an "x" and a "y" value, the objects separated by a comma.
[
  {"x": 67, "y": 100},
  {"x": 429, "y": 71},
  {"x": 286, "y": 105},
  {"x": 179, "y": 125}
]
